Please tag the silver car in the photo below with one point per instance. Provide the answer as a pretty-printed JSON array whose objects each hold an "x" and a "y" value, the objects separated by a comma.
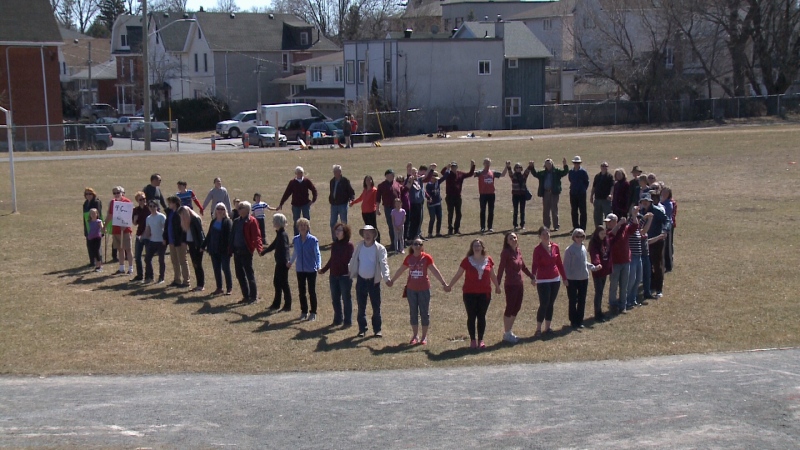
[{"x": 264, "y": 136}]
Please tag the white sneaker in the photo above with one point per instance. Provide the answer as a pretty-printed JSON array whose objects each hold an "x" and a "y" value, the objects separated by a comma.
[
  {"x": 303, "y": 316},
  {"x": 510, "y": 337},
  {"x": 312, "y": 317},
  {"x": 130, "y": 271}
]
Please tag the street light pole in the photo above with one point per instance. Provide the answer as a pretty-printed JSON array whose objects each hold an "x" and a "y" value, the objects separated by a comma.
[
  {"x": 146, "y": 70},
  {"x": 89, "y": 63}
]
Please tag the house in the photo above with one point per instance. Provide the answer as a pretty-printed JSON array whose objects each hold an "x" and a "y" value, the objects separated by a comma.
[
  {"x": 248, "y": 49},
  {"x": 323, "y": 84},
  {"x": 29, "y": 74},
  {"x": 74, "y": 57},
  {"x": 499, "y": 68},
  {"x": 456, "y": 12},
  {"x": 420, "y": 16},
  {"x": 126, "y": 46}
]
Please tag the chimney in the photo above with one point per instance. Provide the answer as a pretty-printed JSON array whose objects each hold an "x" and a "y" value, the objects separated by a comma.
[
  {"x": 201, "y": 9},
  {"x": 485, "y": 18},
  {"x": 407, "y": 33},
  {"x": 499, "y": 28},
  {"x": 453, "y": 33}
]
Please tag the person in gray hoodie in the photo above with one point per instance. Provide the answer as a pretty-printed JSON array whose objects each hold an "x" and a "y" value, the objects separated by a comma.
[
  {"x": 577, "y": 267},
  {"x": 217, "y": 195}
]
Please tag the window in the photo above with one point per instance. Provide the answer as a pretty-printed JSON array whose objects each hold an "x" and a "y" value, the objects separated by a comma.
[
  {"x": 338, "y": 72},
  {"x": 285, "y": 62},
  {"x": 387, "y": 71},
  {"x": 669, "y": 59},
  {"x": 122, "y": 69},
  {"x": 199, "y": 33},
  {"x": 196, "y": 67},
  {"x": 205, "y": 62},
  {"x": 304, "y": 39},
  {"x": 484, "y": 67},
  {"x": 362, "y": 71},
  {"x": 447, "y": 25},
  {"x": 351, "y": 72},
  {"x": 547, "y": 24},
  {"x": 512, "y": 106},
  {"x": 513, "y": 63},
  {"x": 298, "y": 88},
  {"x": 316, "y": 74},
  {"x": 553, "y": 51},
  {"x": 156, "y": 38},
  {"x": 123, "y": 40},
  {"x": 130, "y": 67}
]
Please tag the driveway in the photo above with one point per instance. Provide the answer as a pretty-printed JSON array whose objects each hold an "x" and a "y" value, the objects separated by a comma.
[{"x": 734, "y": 400}]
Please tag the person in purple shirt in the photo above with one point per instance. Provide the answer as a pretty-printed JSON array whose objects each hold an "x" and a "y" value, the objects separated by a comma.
[{"x": 298, "y": 188}]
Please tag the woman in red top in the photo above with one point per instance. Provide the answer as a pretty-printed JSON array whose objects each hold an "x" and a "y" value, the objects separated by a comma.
[
  {"x": 418, "y": 288},
  {"x": 369, "y": 205},
  {"x": 513, "y": 265},
  {"x": 477, "y": 290},
  {"x": 600, "y": 254},
  {"x": 341, "y": 283},
  {"x": 548, "y": 272}
]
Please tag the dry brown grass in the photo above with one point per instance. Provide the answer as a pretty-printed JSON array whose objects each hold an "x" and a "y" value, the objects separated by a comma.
[{"x": 734, "y": 285}]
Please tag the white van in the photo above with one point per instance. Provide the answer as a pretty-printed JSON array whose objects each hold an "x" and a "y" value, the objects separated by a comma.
[{"x": 289, "y": 111}]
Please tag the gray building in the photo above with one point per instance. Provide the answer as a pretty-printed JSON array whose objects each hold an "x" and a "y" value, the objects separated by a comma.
[
  {"x": 456, "y": 12},
  {"x": 482, "y": 77},
  {"x": 251, "y": 48}
]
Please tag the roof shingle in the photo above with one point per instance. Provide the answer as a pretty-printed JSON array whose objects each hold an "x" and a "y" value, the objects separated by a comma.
[{"x": 28, "y": 21}]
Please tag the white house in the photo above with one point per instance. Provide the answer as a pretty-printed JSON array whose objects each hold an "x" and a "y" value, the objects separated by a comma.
[{"x": 323, "y": 84}]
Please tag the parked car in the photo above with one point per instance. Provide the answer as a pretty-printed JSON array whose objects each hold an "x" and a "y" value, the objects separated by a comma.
[
  {"x": 264, "y": 136},
  {"x": 95, "y": 111},
  {"x": 296, "y": 128},
  {"x": 289, "y": 111},
  {"x": 326, "y": 130},
  {"x": 123, "y": 126},
  {"x": 106, "y": 121},
  {"x": 86, "y": 137},
  {"x": 233, "y": 128},
  {"x": 159, "y": 131}
]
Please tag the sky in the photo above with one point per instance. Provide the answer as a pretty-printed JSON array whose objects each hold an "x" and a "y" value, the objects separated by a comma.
[{"x": 244, "y": 5}]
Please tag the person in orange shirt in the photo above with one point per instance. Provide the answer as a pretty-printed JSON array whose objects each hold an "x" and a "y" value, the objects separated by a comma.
[{"x": 369, "y": 204}]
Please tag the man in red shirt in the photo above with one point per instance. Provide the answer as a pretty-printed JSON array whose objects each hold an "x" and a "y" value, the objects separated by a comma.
[
  {"x": 486, "y": 179},
  {"x": 298, "y": 188},
  {"x": 388, "y": 191},
  {"x": 454, "y": 180},
  {"x": 121, "y": 238}
]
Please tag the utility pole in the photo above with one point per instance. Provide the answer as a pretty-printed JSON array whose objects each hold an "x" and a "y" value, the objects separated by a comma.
[
  {"x": 89, "y": 63},
  {"x": 146, "y": 70},
  {"x": 259, "y": 118}
]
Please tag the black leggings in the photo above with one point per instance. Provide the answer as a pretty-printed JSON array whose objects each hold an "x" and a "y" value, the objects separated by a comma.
[
  {"x": 519, "y": 209},
  {"x": 547, "y": 298},
  {"x": 372, "y": 219},
  {"x": 476, "y": 305},
  {"x": 196, "y": 254},
  {"x": 93, "y": 246},
  {"x": 280, "y": 280}
]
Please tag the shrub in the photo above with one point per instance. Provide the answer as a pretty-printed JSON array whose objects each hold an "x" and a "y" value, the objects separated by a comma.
[{"x": 196, "y": 114}]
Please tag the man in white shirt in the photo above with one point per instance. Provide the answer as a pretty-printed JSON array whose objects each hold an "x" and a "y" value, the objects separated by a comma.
[{"x": 369, "y": 266}]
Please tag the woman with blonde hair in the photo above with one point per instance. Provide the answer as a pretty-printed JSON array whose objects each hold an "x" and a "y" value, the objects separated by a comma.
[
  {"x": 217, "y": 244},
  {"x": 192, "y": 225},
  {"x": 307, "y": 261}
]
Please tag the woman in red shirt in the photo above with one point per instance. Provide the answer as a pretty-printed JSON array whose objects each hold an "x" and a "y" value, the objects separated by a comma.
[
  {"x": 369, "y": 204},
  {"x": 477, "y": 290},
  {"x": 418, "y": 288},
  {"x": 341, "y": 283},
  {"x": 548, "y": 272},
  {"x": 513, "y": 265}
]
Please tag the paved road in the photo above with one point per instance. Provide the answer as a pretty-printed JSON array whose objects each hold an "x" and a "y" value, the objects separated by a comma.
[
  {"x": 738, "y": 400},
  {"x": 194, "y": 146}
]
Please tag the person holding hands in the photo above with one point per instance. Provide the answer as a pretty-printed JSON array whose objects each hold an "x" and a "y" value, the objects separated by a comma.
[{"x": 548, "y": 273}]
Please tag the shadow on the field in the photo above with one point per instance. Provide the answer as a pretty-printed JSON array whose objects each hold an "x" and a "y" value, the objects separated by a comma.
[
  {"x": 392, "y": 349},
  {"x": 81, "y": 270},
  {"x": 461, "y": 352},
  {"x": 219, "y": 309},
  {"x": 316, "y": 333},
  {"x": 324, "y": 344}
]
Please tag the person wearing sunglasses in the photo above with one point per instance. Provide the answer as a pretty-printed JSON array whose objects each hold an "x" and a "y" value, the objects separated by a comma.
[
  {"x": 577, "y": 267},
  {"x": 121, "y": 237},
  {"x": 418, "y": 288},
  {"x": 216, "y": 244}
]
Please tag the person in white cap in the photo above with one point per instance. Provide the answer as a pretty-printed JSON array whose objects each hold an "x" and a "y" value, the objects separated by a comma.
[
  {"x": 578, "y": 185},
  {"x": 369, "y": 266}
]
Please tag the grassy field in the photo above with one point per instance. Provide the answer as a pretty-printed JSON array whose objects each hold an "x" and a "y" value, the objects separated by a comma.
[{"x": 734, "y": 285}]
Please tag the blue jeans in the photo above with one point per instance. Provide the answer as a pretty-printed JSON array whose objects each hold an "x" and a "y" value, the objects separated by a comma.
[
  {"x": 647, "y": 271},
  {"x": 619, "y": 280},
  {"x": 435, "y": 212},
  {"x": 342, "y": 300},
  {"x": 368, "y": 288},
  {"x": 634, "y": 278},
  {"x": 305, "y": 210},
  {"x": 338, "y": 214},
  {"x": 222, "y": 265}
]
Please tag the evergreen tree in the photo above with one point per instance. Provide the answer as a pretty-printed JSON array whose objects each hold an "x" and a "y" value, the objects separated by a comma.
[{"x": 110, "y": 10}]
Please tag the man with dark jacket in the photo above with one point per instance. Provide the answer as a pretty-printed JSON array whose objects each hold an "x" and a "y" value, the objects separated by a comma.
[
  {"x": 578, "y": 185},
  {"x": 245, "y": 239},
  {"x": 388, "y": 191},
  {"x": 341, "y": 194},
  {"x": 152, "y": 191},
  {"x": 550, "y": 189},
  {"x": 298, "y": 188},
  {"x": 454, "y": 180},
  {"x": 601, "y": 194}
]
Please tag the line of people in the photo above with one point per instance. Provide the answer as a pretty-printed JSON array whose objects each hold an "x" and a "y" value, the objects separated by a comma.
[{"x": 632, "y": 248}]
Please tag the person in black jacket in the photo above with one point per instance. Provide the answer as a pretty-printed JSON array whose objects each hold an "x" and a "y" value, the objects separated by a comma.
[
  {"x": 192, "y": 225},
  {"x": 341, "y": 194},
  {"x": 175, "y": 238},
  {"x": 280, "y": 279},
  {"x": 217, "y": 246},
  {"x": 91, "y": 202},
  {"x": 153, "y": 191}
]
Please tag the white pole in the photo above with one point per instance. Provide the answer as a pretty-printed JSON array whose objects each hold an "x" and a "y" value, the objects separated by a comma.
[{"x": 9, "y": 130}]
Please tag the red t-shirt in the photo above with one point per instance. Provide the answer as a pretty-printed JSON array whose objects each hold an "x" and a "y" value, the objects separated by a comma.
[
  {"x": 418, "y": 271},
  {"x": 473, "y": 285},
  {"x": 486, "y": 181}
]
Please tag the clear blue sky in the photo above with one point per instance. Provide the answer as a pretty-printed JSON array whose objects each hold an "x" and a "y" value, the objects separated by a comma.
[{"x": 244, "y": 5}]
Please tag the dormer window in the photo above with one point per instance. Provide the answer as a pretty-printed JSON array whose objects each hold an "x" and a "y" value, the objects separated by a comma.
[
  {"x": 123, "y": 38},
  {"x": 304, "y": 38}
]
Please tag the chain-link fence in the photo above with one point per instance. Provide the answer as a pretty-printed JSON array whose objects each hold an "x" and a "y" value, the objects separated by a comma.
[{"x": 35, "y": 138}]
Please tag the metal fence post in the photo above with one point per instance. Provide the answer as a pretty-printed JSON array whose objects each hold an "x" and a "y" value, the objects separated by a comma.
[
  {"x": 738, "y": 108},
  {"x": 779, "y": 105},
  {"x": 577, "y": 116},
  {"x": 25, "y": 131},
  {"x": 648, "y": 112},
  {"x": 178, "y": 136},
  {"x": 615, "y": 111}
]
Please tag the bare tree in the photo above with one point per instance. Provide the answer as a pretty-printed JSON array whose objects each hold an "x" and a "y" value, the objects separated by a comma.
[
  {"x": 167, "y": 5},
  {"x": 226, "y": 6},
  {"x": 133, "y": 7},
  {"x": 776, "y": 43},
  {"x": 84, "y": 12},
  {"x": 343, "y": 19},
  {"x": 65, "y": 14}
]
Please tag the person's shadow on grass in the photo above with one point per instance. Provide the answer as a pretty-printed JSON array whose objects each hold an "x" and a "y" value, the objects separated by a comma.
[
  {"x": 325, "y": 345},
  {"x": 207, "y": 308},
  {"x": 71, "y": 272},
  {"x": 461, "y": 352}
]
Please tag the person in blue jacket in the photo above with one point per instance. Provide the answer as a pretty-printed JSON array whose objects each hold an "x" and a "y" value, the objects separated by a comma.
[{"x": 307, "y": 261}]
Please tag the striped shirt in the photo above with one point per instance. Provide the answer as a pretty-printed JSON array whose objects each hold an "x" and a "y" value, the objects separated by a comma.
[
  {"x": 186, "y": 198},
  {"x": 635, "y": 242},
  {"x": 258, "y": 210}
]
